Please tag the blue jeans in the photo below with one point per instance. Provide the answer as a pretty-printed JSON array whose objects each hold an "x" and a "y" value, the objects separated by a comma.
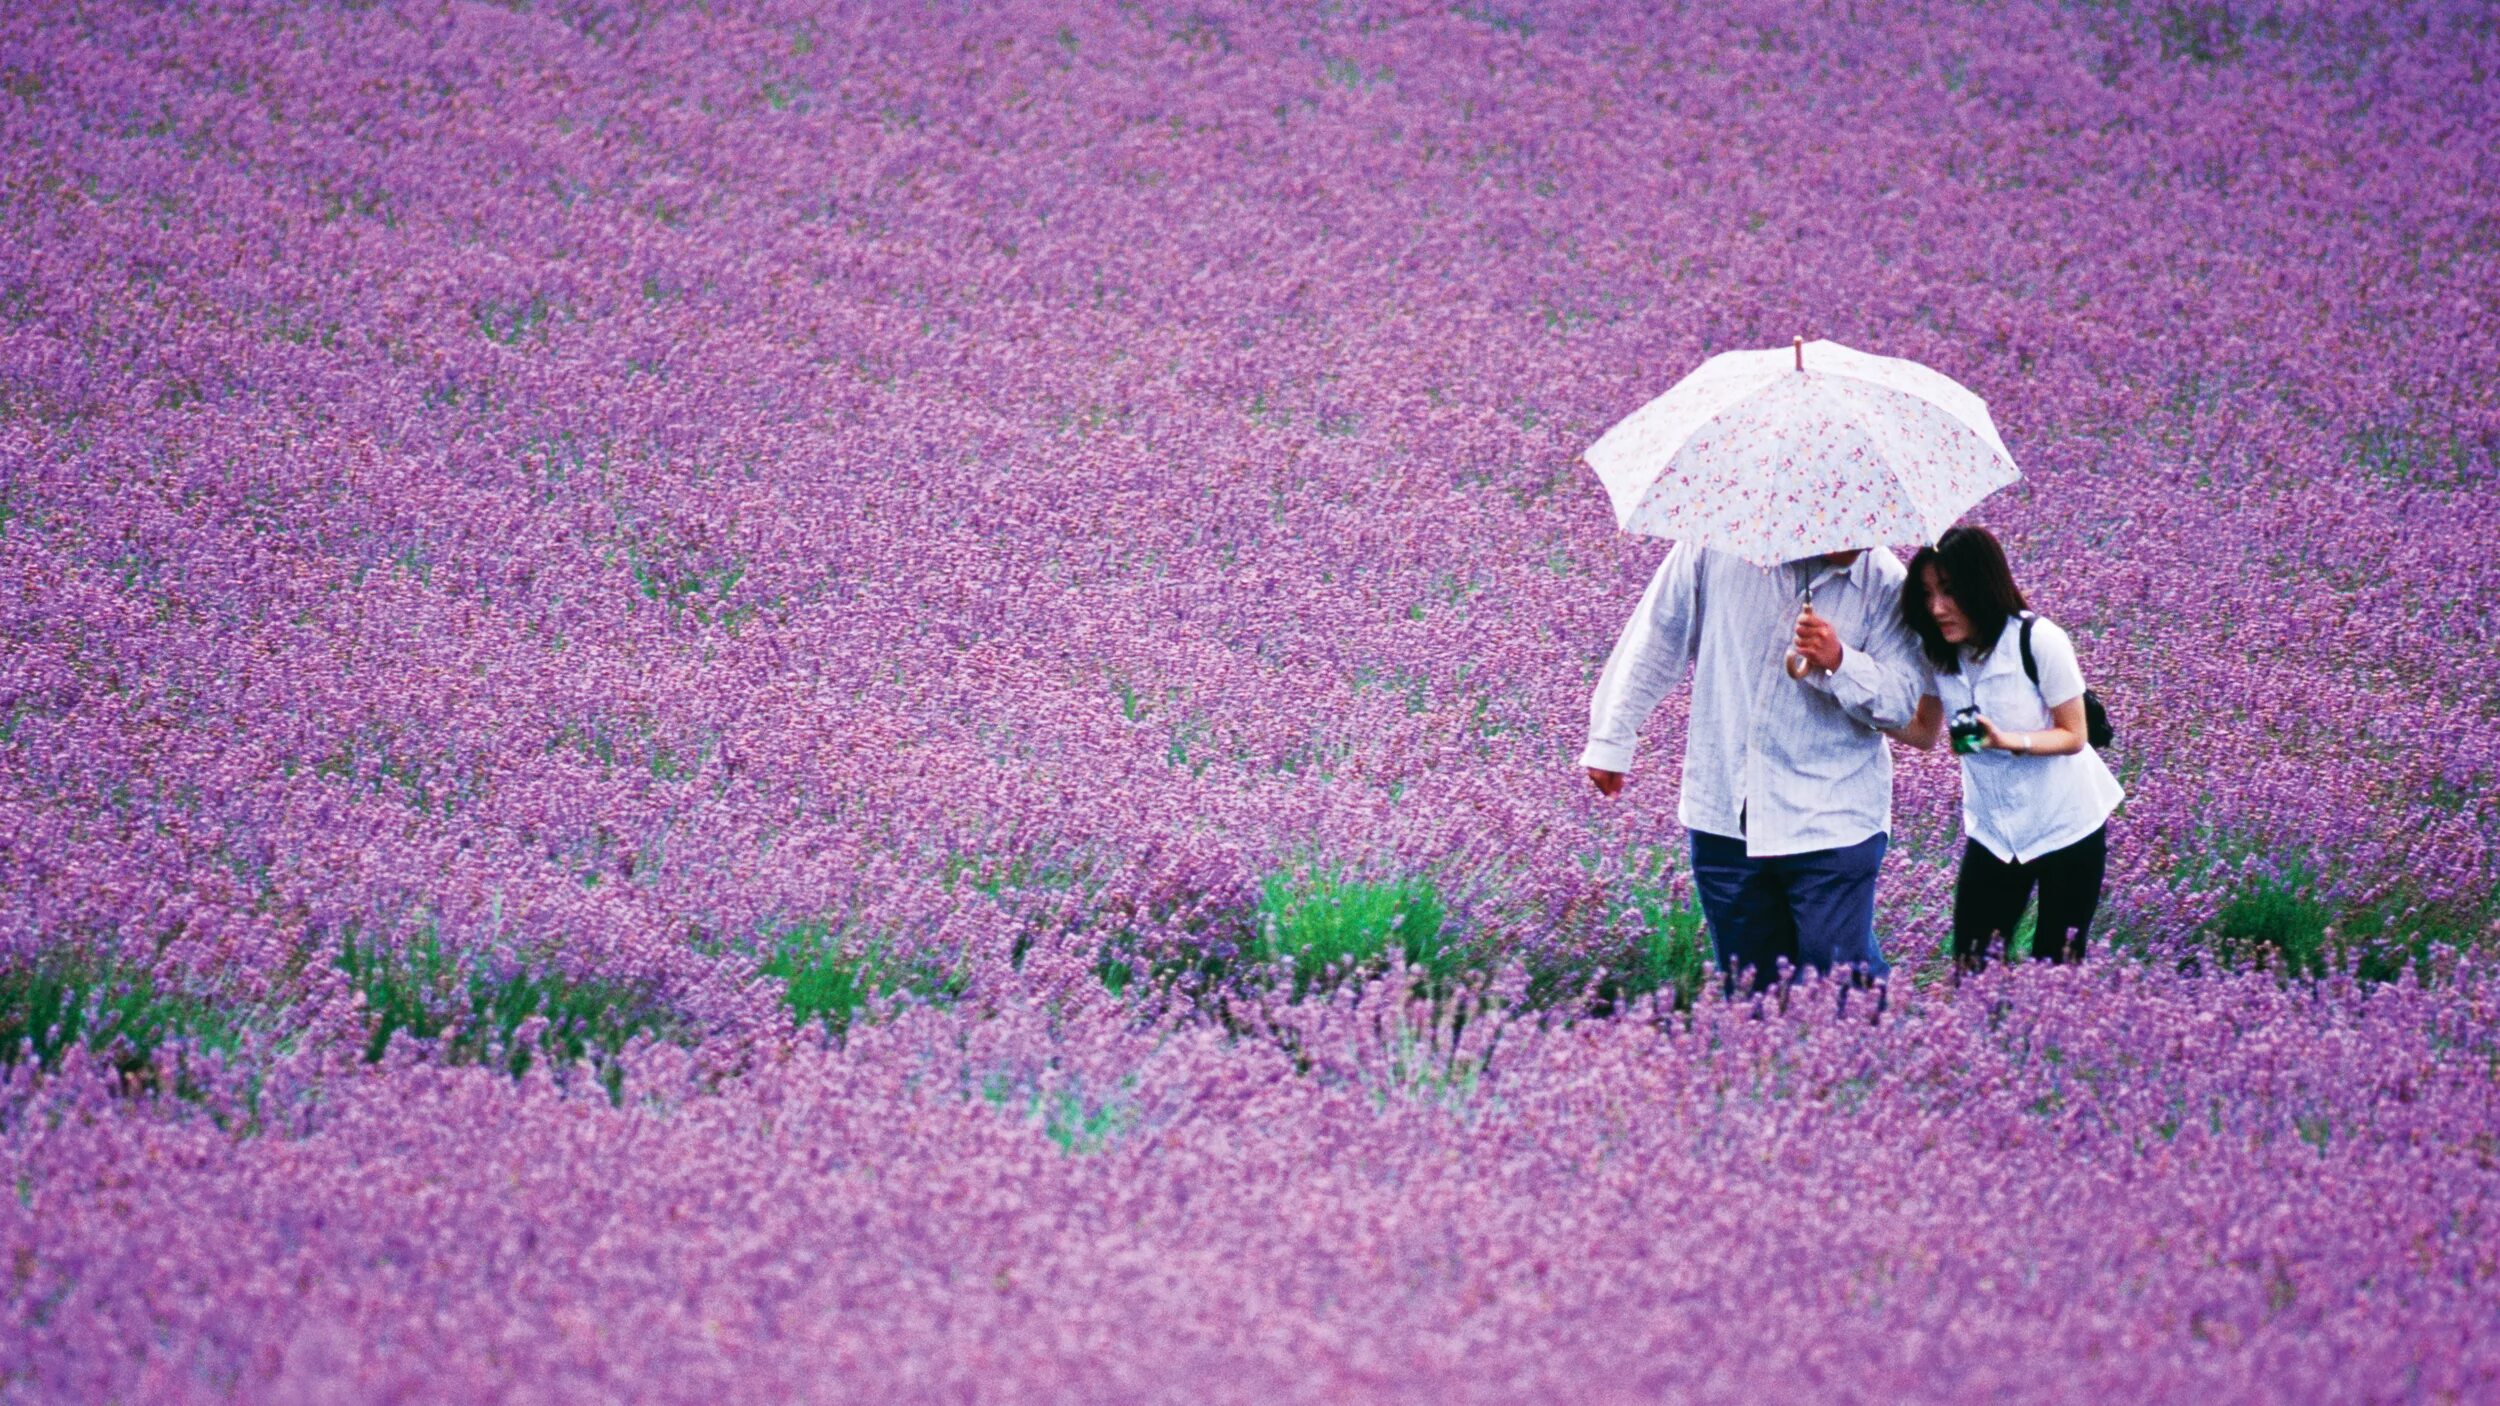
[{"x": 1815, "y": 909}]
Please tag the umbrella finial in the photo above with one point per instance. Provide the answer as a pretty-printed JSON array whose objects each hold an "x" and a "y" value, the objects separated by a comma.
[{"x": 1801, "y": 351}]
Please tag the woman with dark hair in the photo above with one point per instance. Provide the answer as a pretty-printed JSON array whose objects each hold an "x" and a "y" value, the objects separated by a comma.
[{"x": 2036, "y": 799}]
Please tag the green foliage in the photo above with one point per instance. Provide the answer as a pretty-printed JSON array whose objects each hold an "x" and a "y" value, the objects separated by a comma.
[
  {"x": 1198, "y": 940},
  {"x": 1671, "y": 957},
  {"x": 507, "y": 322},
  {"x": 1347, "y": 73},
  {"x": 1326, "y": 927},
  {"x": 2274, "y": 915},
  {"x": 632, "y": 740},
  {"x": 830, "y": 982},
  {"x": 694, "y": 592},
  {"x": 63, "y": 998},
  {"x": 1078, "y": 1125},
  {"x": 1013, "y": 880},
  {"x": 1498, "y": 18},
  {"x": 1117, "y": 967},
  {"x": 2280, "y": 912},
  {"x": 480, "y": 1012},
  {"x": 379, "y": 761},
  {"x": 2026, "y": 929},
  {"x": 2396, "y": 455},
  {"x": 2200, "y": 33},
  {"x": 1667, "y": 950},
  {"x": 1414, "y": 684}
]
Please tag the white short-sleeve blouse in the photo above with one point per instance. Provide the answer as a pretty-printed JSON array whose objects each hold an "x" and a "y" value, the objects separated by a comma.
[{"x": 2022, "y": 805}]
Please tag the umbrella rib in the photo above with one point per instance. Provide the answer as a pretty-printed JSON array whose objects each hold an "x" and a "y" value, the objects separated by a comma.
[
  {"x": 1891, "y": 471},
  {"x": 1984, "y": 426}
]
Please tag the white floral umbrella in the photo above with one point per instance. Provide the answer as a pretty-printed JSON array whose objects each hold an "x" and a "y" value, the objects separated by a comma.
[{"x": 1783, "y": 454}]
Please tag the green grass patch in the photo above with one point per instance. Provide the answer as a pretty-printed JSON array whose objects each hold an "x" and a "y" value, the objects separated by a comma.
[
  {"x": 479, "y": 1010},
  {"x": 2397, "y": 455},
  {"x": 999, "y": 875},
  {"x": 831, "y": 982},
  {"x": 2026, "y": 930},
  {"x": 2206, "y": 34},
  {"x": 122, "y": 1013},
  {"x": 2280, "y": 911},
  {"x": 2274, "y": 915},
  {"x": 1671, "y": 957},
  {"x": 1324, "y": 927},
  {"x": 1664, "y": 948}
]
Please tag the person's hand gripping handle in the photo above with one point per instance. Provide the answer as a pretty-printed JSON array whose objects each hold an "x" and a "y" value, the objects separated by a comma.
[{"x": 1817, "y": 645}]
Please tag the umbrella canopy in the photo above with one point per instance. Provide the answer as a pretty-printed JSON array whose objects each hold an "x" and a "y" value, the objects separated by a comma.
[{"x": 1783, "y": 454}]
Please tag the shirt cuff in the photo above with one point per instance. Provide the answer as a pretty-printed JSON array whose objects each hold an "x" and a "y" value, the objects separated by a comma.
[
  {"x": 1822, "y": 682},
  {"x": 1607, "y": 756},
  {"x": 1859, "y": 671}
]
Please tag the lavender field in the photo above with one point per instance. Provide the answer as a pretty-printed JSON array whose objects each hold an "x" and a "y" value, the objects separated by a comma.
[{"x": 794, "y": 702}]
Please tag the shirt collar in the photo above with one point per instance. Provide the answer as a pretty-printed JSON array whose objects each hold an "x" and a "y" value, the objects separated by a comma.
[
  {"x": 1820, "y": 573},
  {"x": 2006, "y": 647}
]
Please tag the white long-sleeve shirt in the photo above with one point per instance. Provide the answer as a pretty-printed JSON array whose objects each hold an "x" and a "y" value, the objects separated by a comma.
[{"x": 1789, "y": 765}]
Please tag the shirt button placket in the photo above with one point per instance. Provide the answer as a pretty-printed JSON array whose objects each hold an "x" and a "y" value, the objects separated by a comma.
[{"x": 1753, "y": 753}]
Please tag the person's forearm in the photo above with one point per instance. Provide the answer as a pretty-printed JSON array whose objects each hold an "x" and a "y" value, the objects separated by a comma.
[
  {"x": 1649, "y": 660},
  {"x": 2047, "y": 742},
  {"x": 1629, "y": 691},
  {"x": 1873, "y": 691},
  {"x": 1920, "y": 733}
]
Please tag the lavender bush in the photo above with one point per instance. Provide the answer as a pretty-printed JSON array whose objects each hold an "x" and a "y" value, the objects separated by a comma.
[{"x": 768, "y": 701}]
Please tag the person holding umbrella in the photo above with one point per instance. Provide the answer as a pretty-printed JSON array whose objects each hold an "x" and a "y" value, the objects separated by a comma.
[{"x": 1780, "y": 485}]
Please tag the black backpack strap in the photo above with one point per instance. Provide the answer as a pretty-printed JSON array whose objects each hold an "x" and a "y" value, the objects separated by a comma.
[{"x": 2096, "y": 725}]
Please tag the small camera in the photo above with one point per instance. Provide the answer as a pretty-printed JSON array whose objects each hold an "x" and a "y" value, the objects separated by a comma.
[{"x": 1967, "y": 733}]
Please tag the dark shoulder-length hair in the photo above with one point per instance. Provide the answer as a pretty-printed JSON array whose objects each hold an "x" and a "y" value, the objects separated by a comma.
[{"x": 1971, "y": 568}]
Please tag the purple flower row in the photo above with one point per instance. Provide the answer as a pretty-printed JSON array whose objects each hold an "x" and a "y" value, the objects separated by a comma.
[{"x": 689, "y": 501}]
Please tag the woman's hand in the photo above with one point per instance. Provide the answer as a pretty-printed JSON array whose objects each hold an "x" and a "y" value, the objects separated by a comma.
[
  {"x": 1606, "y": 782},
  {"x": 2063, "y": 737}
]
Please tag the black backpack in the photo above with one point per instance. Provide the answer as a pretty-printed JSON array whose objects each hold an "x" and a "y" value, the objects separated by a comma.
[{"x": 2096, "y": 728}]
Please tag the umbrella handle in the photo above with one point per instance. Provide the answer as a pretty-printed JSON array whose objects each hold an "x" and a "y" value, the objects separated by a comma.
[
  {"x": 1800, "y": 344},
  {"x": 1797, "y": 663}
]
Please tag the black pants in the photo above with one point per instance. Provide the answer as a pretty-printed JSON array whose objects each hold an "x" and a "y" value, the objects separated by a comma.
[{"x": 1989, "y": 896}]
